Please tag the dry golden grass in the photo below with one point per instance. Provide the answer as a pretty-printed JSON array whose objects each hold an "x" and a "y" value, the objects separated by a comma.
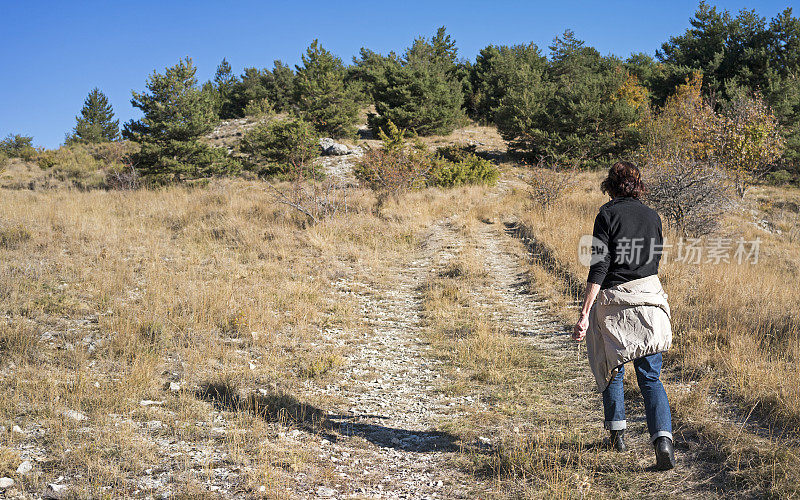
[{"x": 109, "y": 296}]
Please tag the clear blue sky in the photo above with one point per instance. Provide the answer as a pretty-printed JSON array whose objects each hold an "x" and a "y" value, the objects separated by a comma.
[{"x": 54, "y": 52}]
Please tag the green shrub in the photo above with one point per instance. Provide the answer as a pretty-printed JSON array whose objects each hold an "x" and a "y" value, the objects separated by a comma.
[
  {"x": 18, "y": 146},
  {"x": 456, "y": 166},
  {"x": 394, "y": 168},
  {"x": 258, "y": 108},
  {"x": 284, "y": 147},
  {"x": 399, "y": 166},
  {"x": 74, "y": 165},
  {"x": 781, "y": 178}
]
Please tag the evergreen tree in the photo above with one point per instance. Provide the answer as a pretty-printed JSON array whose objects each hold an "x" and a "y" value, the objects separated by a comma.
[
  {"x": 223, "y": 85},
  {"x": 176, "y": 115},
  {"x": 96, "y": 122},
  {"x": 369, "y": 71},
  {"x": 496, "y": 68},
  {"x": 256, "y": 85},
  {"x": 581, "y": 109},
  {"x": 321, "y": 95},
  {"x": 280, "y": 86},
  {"x": 422, "y": 91}
]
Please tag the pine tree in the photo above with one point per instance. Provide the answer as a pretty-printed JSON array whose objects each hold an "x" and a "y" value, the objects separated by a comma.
[
  {"x": 223, "y": 84},
  {"x": 495, "y": 71},
  {"x": 581, "y": 109},
  {"x": 421, "y": 91},
  {"x": 280, "y": 86},
  {"x": 176, "y": 115},
  {"x": 321, "y": 95},
  {"x": 96, "y": 122},
  {"x": 368, "y": 71},
  {"x": 259, "y": 85}
]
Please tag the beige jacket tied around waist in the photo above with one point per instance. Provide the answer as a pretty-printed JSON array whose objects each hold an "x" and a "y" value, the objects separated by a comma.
[{"x": 626, "y": 322}]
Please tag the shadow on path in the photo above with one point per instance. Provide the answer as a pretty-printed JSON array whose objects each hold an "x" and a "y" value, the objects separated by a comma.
[{"x": 288, "y": 410}]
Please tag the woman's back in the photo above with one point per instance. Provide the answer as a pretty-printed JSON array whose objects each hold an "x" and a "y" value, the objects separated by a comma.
[{"x": 632, "y": 234}]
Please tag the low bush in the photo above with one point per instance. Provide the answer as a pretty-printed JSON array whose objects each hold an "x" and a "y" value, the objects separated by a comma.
[
  {"x": 89, "y": 166},
  {"x": 11, "y": 235},
  {"x": 692, "y": 195},
  {"x": 456, "y": 166},
  {"x": 258, "y": 108},
  {"x": 394, "y": 168},
  {"x": 546, "y": 186},
  {"x": 400, "y": 165},
  {"x": 285, "y": 147},
  {"x": 18, "y": 146},
  {"x": 112, "y": 154},
  {"x": 776, "y": 178},
  {"x": 122, "y": 177}
]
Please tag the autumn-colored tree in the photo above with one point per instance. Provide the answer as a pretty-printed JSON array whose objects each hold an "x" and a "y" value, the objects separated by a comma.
[
  {"x": 685, "y": 183},
  {"x": 748, "y": 141},
  {"x": 684, "y": 127}
]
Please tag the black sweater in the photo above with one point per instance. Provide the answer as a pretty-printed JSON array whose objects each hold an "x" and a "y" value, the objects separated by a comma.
[{"x": 631, "y": 232}]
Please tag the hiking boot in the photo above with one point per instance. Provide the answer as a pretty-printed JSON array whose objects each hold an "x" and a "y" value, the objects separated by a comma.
[
  {"x": 617, "y": 440},
  {"x": 665, "y": 454}
]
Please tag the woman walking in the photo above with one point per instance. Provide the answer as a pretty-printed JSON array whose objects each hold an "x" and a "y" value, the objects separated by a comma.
[{"x": 625, "y": 315}]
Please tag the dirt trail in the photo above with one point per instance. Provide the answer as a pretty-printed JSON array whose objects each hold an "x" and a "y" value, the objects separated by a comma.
[{"x": 385, "y": 444}]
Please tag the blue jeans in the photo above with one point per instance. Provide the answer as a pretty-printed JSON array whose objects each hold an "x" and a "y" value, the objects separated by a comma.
[{"x": 656, "y": 406}]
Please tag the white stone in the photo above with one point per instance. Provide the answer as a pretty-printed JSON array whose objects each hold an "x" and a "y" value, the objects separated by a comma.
[
  {"x": 24, "y": 467},
  {"x": 331, "y": 147},
  {"x": 324, "y": 492},
  {"x": 75, "y": 415},
  {"x": 174, "y": 386},
  {"x": 17, "y": 430},
  {"x": 150, "y": 402},
  {"x": 55, "y": 491},
  {"x": 6, "y": 482}
]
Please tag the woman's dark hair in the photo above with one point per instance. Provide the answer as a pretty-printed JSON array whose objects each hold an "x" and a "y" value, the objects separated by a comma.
[{"x": 624, "y": 179}]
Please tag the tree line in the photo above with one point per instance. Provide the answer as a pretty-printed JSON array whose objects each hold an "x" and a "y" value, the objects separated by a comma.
[{"x": 569, "y": 106}]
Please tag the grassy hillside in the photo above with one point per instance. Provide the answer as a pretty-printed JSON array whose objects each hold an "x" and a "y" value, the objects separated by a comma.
[{"x": 208, "y": 341}]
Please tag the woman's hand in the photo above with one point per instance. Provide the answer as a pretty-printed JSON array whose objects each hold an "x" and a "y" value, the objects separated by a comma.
[{"x": 579, "y": 331}]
